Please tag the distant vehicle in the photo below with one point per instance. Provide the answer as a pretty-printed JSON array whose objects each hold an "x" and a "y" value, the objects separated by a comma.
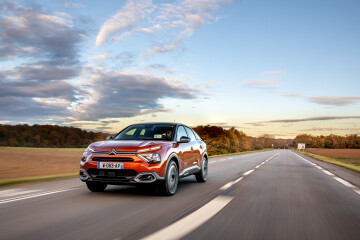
[{"x": 145, "y": 153}]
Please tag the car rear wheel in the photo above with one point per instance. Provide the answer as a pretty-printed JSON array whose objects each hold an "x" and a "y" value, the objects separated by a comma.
[
  {"x": 171, "y": 180},
  {"x": 201, "y": 176},
  {"x": 96, "y": 186}
]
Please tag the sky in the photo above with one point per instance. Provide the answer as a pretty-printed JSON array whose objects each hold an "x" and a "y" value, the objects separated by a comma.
[{"x": 264, "y": 67}]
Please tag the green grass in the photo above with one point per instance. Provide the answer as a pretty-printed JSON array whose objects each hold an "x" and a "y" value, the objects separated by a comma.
[
  {"x": 238, "y": 153},
  {"x": 27, "y": 180},
  {"x": 349, "y": 163}
]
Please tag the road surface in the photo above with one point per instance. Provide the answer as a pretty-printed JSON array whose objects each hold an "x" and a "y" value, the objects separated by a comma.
[{"x": 267, "y": 195}]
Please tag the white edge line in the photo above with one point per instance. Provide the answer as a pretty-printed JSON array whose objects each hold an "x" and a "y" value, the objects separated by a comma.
[
  {"x": 328, "y": 173},
  {"x": 342, "y": 181},
  {"x": 187, "y": 224},
  {"x": 346, "y": 183},
  {"x": 33, "y": 196}
]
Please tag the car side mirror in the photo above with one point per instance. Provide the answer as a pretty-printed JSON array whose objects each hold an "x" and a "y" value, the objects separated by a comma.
[
  {"x": 184, "y": 139},
  {"x": 110, "y": 138}
]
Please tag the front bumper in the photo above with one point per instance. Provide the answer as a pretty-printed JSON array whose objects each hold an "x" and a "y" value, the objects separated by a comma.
[{"x": 120, "y": 176}]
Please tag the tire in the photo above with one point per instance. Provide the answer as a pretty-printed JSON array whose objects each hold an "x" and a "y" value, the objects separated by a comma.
[
  {"x": 96, "y": 186},
  {"x": 168, "y": 188},
  {"x": 201, "y": 176}
]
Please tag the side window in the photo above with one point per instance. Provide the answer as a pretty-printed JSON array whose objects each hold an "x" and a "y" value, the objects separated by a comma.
[
  {"x": 190, "y": 134},
  {"x": 130, "y": 132},
  {"x": 180, "y": 133},
  {"x": 197, "y": 136}
]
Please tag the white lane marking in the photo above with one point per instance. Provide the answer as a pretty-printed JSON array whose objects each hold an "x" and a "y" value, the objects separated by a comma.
[
  {"x": 229, "y": 184},
  {"x": 33, "y": 195},
  {"x": 344, "y": 182},
  {"x": 189, "y": 223},
  {"x": 237, "y": 180},
  {"x": 16, "y": 191},
  {"x": 226, "y": 186},
  {"x": 327, "y": 172},
  {"x": 248, "y": 172}
]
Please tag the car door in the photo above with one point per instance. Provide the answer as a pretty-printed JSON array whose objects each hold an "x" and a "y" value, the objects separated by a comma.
[
  {"x": 184, "y": 149},
  {"x": 194, "y": 147}
]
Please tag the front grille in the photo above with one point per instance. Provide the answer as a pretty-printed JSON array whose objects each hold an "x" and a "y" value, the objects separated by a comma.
[
  {"x": 117, "y": 159},
  {"x": 121, "y": 175}
]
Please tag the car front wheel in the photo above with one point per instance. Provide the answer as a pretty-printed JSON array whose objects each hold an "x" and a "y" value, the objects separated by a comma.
[
  {"x": 171, "y": 179},
  {"x": 201, "y": 176}
]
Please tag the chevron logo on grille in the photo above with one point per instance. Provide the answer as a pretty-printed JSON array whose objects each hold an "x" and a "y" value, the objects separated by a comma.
[{"x": 112, "y": 152}]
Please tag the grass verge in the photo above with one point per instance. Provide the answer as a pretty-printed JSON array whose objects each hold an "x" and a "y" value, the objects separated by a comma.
[
  {"x": 331, "y": 160},
  {"x": 27, "y": 180}
]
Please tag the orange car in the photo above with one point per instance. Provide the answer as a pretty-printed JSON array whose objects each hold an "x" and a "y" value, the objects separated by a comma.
[{"x": 145, "y": 153}]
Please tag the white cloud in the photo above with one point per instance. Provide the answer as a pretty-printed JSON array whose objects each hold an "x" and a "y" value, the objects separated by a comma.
[
  {"x": 161, "y": 49},
  {"x": 125, "y": 19},
  {"x": 260, "y": 83},
  {"x": 334, "y": 101},
  {"x": 273, "y": 74}
]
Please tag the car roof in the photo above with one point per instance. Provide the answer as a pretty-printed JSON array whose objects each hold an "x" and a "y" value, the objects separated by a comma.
[{"x": 167, "y": 123}]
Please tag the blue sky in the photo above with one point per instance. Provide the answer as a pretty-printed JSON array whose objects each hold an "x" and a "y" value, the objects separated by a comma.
[{"x": 265, "y": 67}]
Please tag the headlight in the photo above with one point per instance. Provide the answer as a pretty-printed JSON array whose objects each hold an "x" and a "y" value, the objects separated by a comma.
[
  {"x": 87, "y": 153},
  {"x": 150, "y": 157}
]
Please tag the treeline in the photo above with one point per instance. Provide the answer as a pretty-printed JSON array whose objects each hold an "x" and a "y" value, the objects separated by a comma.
[
  {"x": 221, "y": 141},
  {"x": 218, "y": 139},
  {"x": 330, "y": 141},
  {"x": 46, "y": 136}
]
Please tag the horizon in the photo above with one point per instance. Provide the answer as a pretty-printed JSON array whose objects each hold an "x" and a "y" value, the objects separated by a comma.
[{"x": 261, "y": 67}]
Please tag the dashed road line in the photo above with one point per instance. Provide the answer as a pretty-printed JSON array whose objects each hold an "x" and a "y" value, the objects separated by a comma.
[
  {"x": 248, "y": 172},
  {"x": 189, "y": 223},
  {"x": 340, "y": 180}
]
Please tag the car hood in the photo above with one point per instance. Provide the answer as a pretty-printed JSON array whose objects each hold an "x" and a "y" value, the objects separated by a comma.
[{"x": 126, "y": 146}]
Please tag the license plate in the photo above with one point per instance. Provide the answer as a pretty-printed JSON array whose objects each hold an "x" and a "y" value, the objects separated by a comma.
[{"x": 110, "y": 165}]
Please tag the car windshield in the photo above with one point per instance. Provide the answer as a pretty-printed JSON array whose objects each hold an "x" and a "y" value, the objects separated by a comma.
[{"x": 163, "y": 132}]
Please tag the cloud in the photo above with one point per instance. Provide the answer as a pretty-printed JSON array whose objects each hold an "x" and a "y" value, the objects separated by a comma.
[
  {"x": 326, "y": 118},
  {"x": 43, "y": 50},
  {"x": 163, "y": 48},
  {"x": 291, "y": 95},
  {"x": 125, "y": 19},
  {"x": 72, "y": 4},
  {"x": 334, "y": 101},
  {"x": 109, "y": 121},
  {"x": 329, "y": 129},
  {"x": 223, "y": 125},
  {"x": 160, "y": 67},
  {"x": 115, "y": 95},
  {"x": 35, "y": 34},
  {"x": 20, "y": 108},
  {"x": 273, "y": 74},
  {"x": 175, "y": 20},
  {"x": 260, "y": 83}
]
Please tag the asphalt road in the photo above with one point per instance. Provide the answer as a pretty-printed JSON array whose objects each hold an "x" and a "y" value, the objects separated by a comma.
[{"x": 267, "y": 195}]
